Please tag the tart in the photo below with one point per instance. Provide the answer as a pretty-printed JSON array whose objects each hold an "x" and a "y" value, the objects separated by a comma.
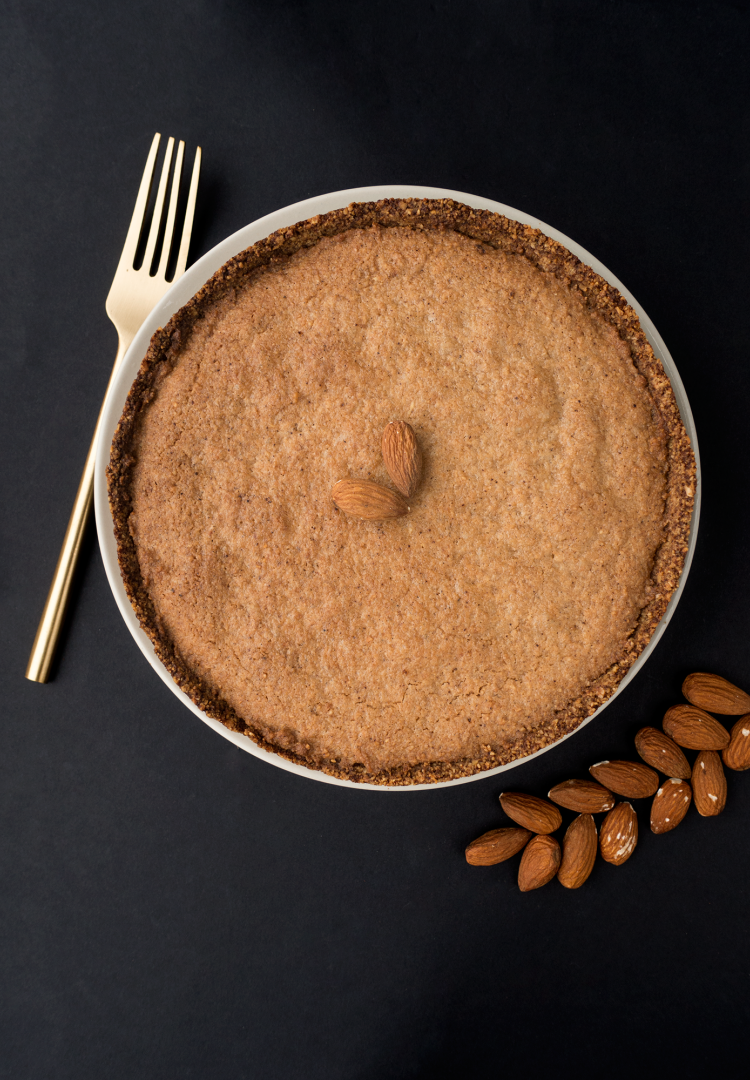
[{"x": 540, "y": 549}]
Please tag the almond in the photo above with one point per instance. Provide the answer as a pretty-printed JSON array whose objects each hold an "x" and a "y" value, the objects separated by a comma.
[
  {"x": 670, "y": 805},
  {"x": 628, "y": 778},
  {"x": 496, "y": 846},
  {"x": 583, "y": 796},
  {"x": 530, "y": 812},
  {"x": 737, "y": 754},
  {"x": 663, "y": 753},
  {"x": 539, "y": 863},
  {"x": 619, "y": 834},
  {"x": 366, "y": 499},
  {"x": 709, "y": 784},
  {"x": 579, "y": 852},
  {"x": 714, "y": 694},
  {"x": 402, "y": 456},
  {"x": 694, "y": 728}
]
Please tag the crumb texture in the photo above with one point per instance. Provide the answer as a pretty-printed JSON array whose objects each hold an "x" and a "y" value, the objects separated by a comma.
[{"x": 540, "y": 547}]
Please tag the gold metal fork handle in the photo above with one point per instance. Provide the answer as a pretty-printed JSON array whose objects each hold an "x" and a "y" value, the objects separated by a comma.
[{"x": 48, "y": 631}]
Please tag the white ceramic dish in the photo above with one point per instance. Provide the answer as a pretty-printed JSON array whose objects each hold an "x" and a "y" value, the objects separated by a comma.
[{"x": 189, "y": 284}]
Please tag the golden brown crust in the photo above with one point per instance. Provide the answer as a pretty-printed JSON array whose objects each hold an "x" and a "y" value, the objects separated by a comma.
[{"x": 508, "y": 236}]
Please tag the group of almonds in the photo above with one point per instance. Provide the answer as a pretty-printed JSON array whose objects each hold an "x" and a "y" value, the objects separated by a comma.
[
  {"x": 689, "y": 726},
  {"x": 375, "y": 502}
]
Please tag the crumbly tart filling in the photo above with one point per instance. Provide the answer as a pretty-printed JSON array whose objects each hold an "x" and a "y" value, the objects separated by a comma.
[{"x": 541, "y": 548}]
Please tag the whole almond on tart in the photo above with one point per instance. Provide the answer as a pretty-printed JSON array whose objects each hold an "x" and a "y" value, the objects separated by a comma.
[
  {"x": 539, "y": 863},
  {"x": 671, "y": 803},
  {"x": 579, "y": 852},
  {"x": 694, "y": 728},
  {"x": 619, "y": 834},
  {"x": 663, "y": 753},
  {"x": 402, "y": 456},
  {"x": 368, "y": 500},
  {"x": 714, "y": 694},
  {"x": 628, "y": 778},
  {"x": 496, "y": 846},
  {"x": 709, "y": 784},
  {"x": 532, "y": 813},
  {"x": 583, "y": 796},
  {"x": 737, "y": 754}
]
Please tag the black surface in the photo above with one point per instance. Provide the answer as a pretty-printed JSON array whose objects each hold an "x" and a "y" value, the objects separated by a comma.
[{"x": 172, "y": 907}]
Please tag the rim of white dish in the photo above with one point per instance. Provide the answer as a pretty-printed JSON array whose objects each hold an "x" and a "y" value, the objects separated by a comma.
[{"x": 178, "y": 295}]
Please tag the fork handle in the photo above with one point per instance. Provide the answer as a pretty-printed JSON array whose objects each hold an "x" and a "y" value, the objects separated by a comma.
[{"x": 48, "y": 631}]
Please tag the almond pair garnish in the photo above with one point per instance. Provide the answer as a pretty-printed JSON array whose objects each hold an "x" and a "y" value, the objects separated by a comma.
[
  {"x": 690, "y": 726},
  {"x": 374, "y": 502}
]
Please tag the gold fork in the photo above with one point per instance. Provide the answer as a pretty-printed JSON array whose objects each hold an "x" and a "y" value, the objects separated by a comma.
[{"x": 133, "y": 295}]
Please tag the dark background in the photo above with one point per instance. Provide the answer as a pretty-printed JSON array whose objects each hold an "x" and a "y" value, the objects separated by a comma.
[{"x": 172, "y": 907}]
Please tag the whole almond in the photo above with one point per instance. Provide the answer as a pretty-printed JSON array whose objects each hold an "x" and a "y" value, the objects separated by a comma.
[
  {"x": 530, "y": 812},
  {"x": 539, "y": 863},
  {"x": 663, "y": 753},
  {"x": 619, "y": 834},
  {"x": 709, "y": 784},
  {"x": 737, "y": 754},
  {"x": 366, "y": 499},
  {"x": 714, "y": 694},
  {"x": 579, "y": 852},
  {"x": 583, "y": 796},
  {"x": 628, "y": 778},
  {"x": 670, "y": 805},
  {"x": 402, "y": 456},
  {"x": 694, "y": 728},
  {"x": 496, "y": 846}
]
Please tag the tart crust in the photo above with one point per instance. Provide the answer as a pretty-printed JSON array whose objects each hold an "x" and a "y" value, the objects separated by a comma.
[{"x": 487, "y": 229}]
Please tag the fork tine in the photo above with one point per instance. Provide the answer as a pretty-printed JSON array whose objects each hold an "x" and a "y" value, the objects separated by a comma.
[
  {"x": 187, "y": 228},
  {"x": 139, "y": 212},
  {"x": 169, "y": 228},
  {"x": 153, "y": 234}
]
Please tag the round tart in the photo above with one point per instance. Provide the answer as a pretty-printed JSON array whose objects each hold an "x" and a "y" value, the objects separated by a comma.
[{"x": 540, "y": 549}]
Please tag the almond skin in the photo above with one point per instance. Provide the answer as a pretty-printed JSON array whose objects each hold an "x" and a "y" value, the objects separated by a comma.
[
  {"x": 714, "y": 694},
  {"x": 402, "y": 456},
  {"x": 694, "y": 728},
  {"x": 619, "y": 834},
  {"x": 709, "y": 784},
  {"x": 737, "y": 754},
  {"x": 368, "y": 500},
  {"x": 583, "y": 796},
  {"x": 628, "y": 778},
  {"x": 496, "y": 846},
  {"x": 530, "y": 812},
  {"x": 539, "y": 863},
  {"x": 663, "y": 753},
  {"x": 671, "y": 803},
  {"x": 579, "y": 852}
]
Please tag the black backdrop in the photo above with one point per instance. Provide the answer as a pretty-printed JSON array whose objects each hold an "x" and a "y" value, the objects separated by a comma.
[{"x": 172, "y": 907}]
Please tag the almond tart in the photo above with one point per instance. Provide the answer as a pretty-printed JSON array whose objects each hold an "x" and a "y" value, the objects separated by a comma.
[{"x": 540, "y": 550}]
